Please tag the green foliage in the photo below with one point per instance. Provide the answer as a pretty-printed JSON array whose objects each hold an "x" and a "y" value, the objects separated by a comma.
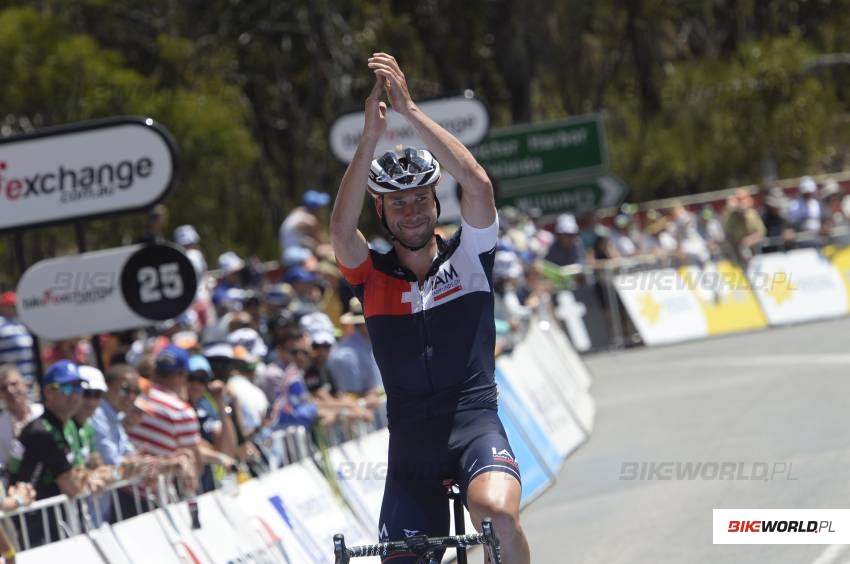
[{"x": 698, "y": 95}]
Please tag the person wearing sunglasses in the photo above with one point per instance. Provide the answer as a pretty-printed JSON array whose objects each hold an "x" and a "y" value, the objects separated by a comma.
[
  {"x": 429, "y": 310},
  {"x": 42, "y": 454},
  {"x": 218, "y": 434}
]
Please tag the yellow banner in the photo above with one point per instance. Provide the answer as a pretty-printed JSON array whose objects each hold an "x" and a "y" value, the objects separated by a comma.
[
  {"x": 726, "y": 297},
  {"x": 840, "y": 259}
]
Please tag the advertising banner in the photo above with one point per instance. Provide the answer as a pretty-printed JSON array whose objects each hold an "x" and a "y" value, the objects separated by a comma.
[
  {"x": 800, "y": 285},
  {"x": 726, "y": 297},
  {"x": 83, "y": 171},
  {"x": 662, "y": 307},
  {"x": 109, "y": 290}
]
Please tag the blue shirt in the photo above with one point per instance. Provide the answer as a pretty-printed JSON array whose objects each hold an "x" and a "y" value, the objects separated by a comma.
[
  {"x": 16, "y": 347},
  {"x": 110, "y": 438},
  {"x": 352, "y": 365}
]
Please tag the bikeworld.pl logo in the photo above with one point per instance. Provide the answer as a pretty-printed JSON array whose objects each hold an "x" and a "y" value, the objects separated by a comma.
[
  {"x": 780, "y": 527},
  {"x": 706, "y": 471},
  {"x": 74, "y": 184}
]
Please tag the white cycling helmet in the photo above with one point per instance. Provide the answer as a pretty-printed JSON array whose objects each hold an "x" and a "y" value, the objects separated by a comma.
[{"x": 413, "y": 168}]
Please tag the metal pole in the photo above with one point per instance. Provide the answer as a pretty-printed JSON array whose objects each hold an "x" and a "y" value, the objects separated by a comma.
[
  {"x": 95, "y": 342},
  {"x": 36, "y": 346}
]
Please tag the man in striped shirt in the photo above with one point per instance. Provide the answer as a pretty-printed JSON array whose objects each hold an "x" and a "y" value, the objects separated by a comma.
[
  {"x": 169, "y": 428},
  {"x": 15, "y": 340}
]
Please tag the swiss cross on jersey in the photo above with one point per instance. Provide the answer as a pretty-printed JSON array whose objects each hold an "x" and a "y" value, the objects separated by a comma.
[
  {"x": 393, "y": 290},
  {"x": 434, "y": 341}
]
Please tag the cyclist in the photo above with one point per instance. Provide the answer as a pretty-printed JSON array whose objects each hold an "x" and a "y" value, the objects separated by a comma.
[{"x": 428, "y": 304}]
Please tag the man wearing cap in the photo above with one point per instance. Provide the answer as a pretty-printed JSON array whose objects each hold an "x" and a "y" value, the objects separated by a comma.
[
  {"x": 15, "y": 339},
  {"x": 805, "y": 212},
  {"x": 43, "y": 455},
  {"x": 303, "y": 226},
  {"x": 218, "y": 434},
  {"x": 306, "y": 285},
  {"x": 567, "y": 248},
  {"x": 81, "y": 432},
  {"x": 169, "y": 428},
  {"x": 320, "y": 336}
]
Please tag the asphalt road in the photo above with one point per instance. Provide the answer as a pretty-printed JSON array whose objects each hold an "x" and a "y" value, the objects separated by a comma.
[{"x": 776, "y": 396}]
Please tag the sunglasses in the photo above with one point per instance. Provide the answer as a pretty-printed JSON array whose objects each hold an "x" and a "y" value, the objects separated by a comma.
[
  {"x": 68, "y": 389},
  {"x": 93, "y": 394},
  {"x": 126, "y": 390},
  {"x": 199, "y": 377}
]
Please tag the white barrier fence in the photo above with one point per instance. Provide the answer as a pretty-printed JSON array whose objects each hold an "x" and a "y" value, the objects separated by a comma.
[{"x": 291, "y": 514}]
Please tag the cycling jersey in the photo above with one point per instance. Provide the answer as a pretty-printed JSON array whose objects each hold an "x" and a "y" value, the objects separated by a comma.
[{"x": 434, "y": 344}]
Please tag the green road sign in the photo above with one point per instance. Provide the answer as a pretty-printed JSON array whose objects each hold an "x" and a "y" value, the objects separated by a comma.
[
  {"x": 577, "y": 196},
  {"x": 557, "y": 166}
]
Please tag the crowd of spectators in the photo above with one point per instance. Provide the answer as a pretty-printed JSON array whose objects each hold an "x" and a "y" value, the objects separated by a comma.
[{"x": 266, "y": 347}]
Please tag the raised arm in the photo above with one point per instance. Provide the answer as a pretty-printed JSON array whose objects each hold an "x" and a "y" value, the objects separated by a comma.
[
  {"x": 348, "y": 242},
  {"x": 477, "y": 203}
]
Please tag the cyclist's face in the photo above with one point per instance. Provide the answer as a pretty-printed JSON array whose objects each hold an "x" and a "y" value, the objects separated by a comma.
[{"x": 412, "y": 215}]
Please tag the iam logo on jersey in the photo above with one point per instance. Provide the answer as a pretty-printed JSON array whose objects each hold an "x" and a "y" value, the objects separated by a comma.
[
  {"x": 504, "y": 456},
  {"x": 446, "y": 283}
]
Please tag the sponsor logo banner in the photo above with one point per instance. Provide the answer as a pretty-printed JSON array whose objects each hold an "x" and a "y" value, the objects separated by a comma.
[
  {"x": 83, "y": 170},
  {"x": 662, "y": 312},
  {"x": 781, "y": 526},
  {"x": 800, "y": 285},
  {"x": 110, "y": 290},
  {"x": 725, "y": 296}
]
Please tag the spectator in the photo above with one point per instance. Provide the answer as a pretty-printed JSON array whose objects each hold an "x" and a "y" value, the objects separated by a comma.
[
  {"x": 320, "y": 334},
  {"x": 308, "y": 291},
  {"x": 270, "y": 377},
  {"x": 352, "y": 363},
  {"x": 805, "y": 213},
  {"x": 110, "y": 437},
  {"x": 169, "y": 428},
  {"x": 621, "y": 236},
  {"x": 157, "y": 220},
  {"x": 775, "y": 223},
  {"x": 43, "y": 455},
  {"x": 304, "y": 226},
  {"x": 218, "y": 434},
  {"x": 228, "y": 292},
  {"x": 78, "y": 350},
  {"x": 81, "y": 434},
  {"x": 19, "y": 411},
  {"x": 187, "y": 237},
  {"x": 836, "y": 223},
  {"x": 691, "y": 247},
  {"x": 567, "y": 248},
  {"x": 241, "y": 384},
  {"x": 743, "y": 225},
  {"x": 293, "y": 404},
  {"x": 711, "y": 230},
  {"x": 15, "y": 339}
]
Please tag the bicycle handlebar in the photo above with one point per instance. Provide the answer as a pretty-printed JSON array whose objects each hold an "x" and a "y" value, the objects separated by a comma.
[{"x": 420, "y": 545}]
